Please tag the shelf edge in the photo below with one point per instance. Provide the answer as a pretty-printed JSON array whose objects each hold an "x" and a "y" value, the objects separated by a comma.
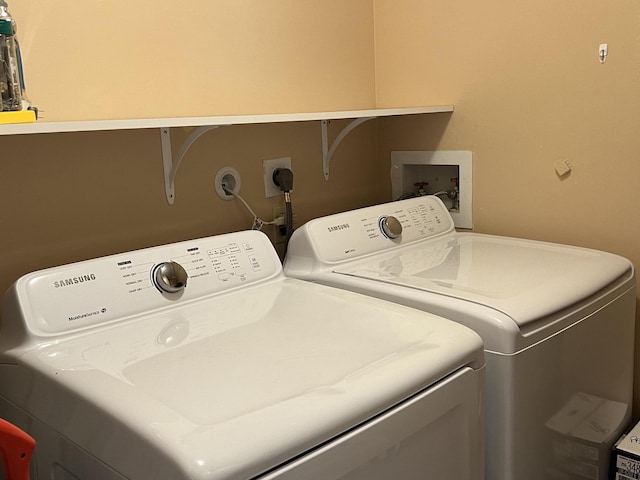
[{"x": 135, "y": 124}]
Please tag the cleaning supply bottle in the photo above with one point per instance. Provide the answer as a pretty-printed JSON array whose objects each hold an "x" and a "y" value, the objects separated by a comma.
[{"x": 10, "y": 83}]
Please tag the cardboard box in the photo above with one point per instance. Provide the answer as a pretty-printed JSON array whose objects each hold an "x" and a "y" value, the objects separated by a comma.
[
  {"x": 625, "y": 464},
  {"x": 583, "y": 433}
]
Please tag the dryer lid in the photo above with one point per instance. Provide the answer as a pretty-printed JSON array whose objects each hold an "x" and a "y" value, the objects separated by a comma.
[
  {"x": 524, "y": 279},
  {"x": 232, "y": 386}
]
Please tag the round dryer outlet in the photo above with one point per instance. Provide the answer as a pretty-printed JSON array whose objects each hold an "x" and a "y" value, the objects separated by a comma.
[{"x": 227, "y": 178}]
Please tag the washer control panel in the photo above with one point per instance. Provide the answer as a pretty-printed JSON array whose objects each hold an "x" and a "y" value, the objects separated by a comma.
[
  {"x": 368, "y": 230},
  {"x": 102, "y": 290}
]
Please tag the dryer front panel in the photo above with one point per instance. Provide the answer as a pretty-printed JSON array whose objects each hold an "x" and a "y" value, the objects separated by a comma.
[{"x": 425, "y": 437}]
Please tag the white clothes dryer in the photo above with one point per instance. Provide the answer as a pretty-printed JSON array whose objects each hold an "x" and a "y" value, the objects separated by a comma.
[
  {"x": 200, "y": 360},
  {"x": 557, "y": 324}
]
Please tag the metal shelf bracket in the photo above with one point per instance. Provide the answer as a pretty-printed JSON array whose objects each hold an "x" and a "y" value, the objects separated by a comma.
[
  {"x": 327, "y": 152},
  {"x": 171, "y": 167}
]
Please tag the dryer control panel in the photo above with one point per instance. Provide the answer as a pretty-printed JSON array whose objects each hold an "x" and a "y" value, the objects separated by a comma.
[
  {"x": 102, "y": 290},
  {"x": 349, "y": 235}
]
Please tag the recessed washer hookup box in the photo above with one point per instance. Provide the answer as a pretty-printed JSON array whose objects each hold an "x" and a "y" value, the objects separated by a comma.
[{"x": 625, "y": 462}]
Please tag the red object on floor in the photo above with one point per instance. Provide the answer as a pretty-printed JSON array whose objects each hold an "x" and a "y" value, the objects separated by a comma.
[{"x": 16, "y": 448}]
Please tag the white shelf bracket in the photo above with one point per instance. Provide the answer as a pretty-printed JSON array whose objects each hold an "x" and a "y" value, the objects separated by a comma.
[
  {"x": 327, "y": 152},
  {"x": 171, "y": 167}
]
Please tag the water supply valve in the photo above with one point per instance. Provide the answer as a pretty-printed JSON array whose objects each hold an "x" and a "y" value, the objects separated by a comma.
[{"x": 421, "y": 188}]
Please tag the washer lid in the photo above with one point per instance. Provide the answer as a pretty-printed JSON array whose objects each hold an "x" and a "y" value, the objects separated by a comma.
[
  {"x": 523, "y": 279},
  {"x": 234, "y": 385}
]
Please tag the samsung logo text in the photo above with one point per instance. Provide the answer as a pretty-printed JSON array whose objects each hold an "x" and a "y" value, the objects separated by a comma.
[
  {"x": 335, "y": 228},
  {"x": 68, "y": 282}
]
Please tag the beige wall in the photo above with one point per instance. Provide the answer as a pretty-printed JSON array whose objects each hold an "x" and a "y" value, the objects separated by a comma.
[
  {"x": 529, "y": 90},
  {"x": 117, "y": 59}
]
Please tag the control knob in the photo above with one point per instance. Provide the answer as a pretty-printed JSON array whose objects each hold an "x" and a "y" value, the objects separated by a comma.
[
  {"x": 170, "y": 277},
  {"x": 390, "y": 226}
]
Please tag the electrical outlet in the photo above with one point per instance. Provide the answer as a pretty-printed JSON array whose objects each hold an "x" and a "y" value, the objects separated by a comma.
[
  {"x": 227, "y": 177},
  {"x": 269, "y": 166},
  {"x": 280, "y": 228}
]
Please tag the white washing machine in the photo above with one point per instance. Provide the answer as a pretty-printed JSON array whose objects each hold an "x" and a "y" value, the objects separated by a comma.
[
  {"x": 557, "y": 324},
  {"x": 200, "y": 360}
]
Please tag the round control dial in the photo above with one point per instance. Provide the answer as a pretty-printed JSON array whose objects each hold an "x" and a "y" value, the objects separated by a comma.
[
  {"x": 390, "y": 226},
  {"x": 170, "y": 277}
]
